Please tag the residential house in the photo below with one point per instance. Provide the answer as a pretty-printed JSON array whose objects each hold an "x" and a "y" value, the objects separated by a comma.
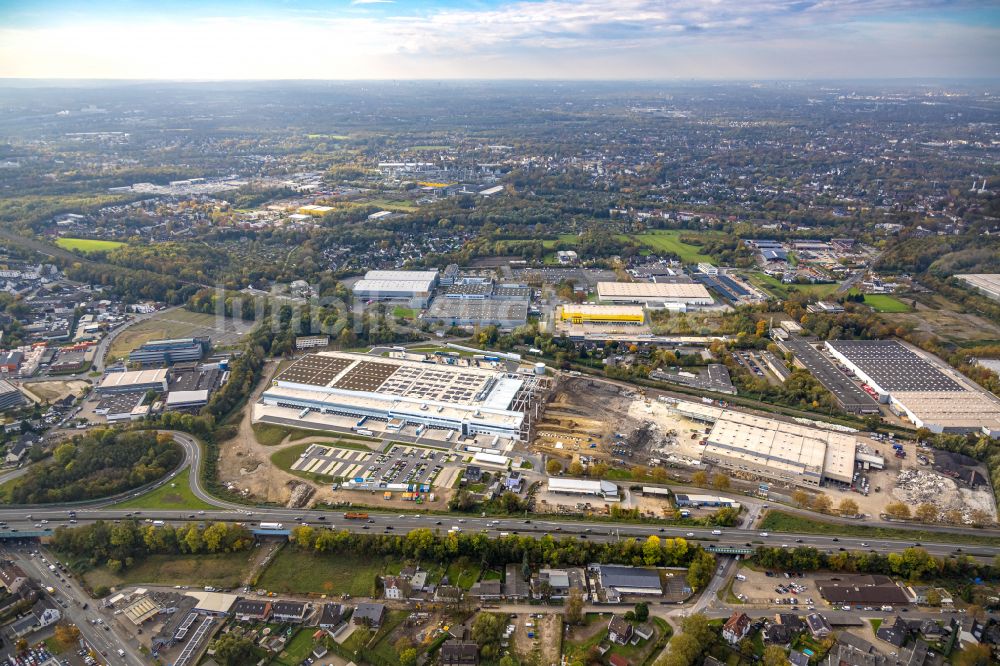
[
  {"x": 331, "y": 616},
  {"x": 895, "y": 633},
  {"x": 796, "y": 658},
  {"x": 818, "y": 625},
  {"x": 736, "y": 627},
  {"x": 289, "y": 611},
  {"x": 515, "y": 588},
  {"x": 619, "y": 630},
  {"x": 13, "y": 577},
  {"x": 396, "y": 588},
  {"x": 618, "y": 660},
  {"x": 251, "y": 610},
  {"x": 370, "y": 615},
  {"x": 486, "y": 590},
  {"x": 459, "y": 653},
  {"x": 16, "y": 452},
  {"x": 448, "y": 594},
  {"x": 42, "y": 615}
]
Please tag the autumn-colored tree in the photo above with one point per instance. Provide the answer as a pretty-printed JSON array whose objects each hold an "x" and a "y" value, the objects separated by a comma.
[
  {"x": 553, "y": 467},
  {"x": 897, "y": 510},
  {"x": 848, "y": 507},
  {"x": 927, "y": 513},
  {"x": 720, "y": 481},
  {"x": 699, "y": 478},
  {"x": 801, "y": 498},
  {"x": 822, "y": 503}
]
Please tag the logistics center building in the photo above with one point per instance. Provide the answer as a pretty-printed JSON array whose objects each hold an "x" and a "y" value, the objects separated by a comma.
[
  {"x": 767, "y": 448},
  {"x": 588, "y": 313},
  {"x": 465, "y": 399},
  {"x": 654, "y": 294},
  {"x": 915, "y": 384},
  {"x": 411, "y": 287}
]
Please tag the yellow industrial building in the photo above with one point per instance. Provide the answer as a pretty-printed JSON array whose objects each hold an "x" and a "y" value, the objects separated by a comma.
[{"x": 588, "y": 313}]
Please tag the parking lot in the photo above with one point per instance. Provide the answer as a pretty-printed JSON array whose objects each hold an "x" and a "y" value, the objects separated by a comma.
[
  {"x": 850, "y": 396},
  {"x": 400, "y": 463}
]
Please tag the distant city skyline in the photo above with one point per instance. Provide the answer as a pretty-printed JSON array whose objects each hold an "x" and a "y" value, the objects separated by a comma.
[{"x": 518, "y": 39}]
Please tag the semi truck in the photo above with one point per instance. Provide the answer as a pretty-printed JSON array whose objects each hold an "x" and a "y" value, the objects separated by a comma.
[
  {"x": 354, "y": 515},
  {"x": 271, "y": 526}
]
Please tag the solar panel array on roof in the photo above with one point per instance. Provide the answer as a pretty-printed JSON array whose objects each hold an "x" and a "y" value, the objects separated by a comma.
[
  {"x": 895, "y": 367},
  {"x": 366, "y": 376},
  {"x": 314, "y": 370}
]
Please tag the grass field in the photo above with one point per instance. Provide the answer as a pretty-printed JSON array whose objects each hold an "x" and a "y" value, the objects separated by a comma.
[
  {"x": 87, "y": 245},
  {"x": 463, "y": 577},
  {"x": 296, "y": 572},
  {"x": 779, "y": 521},
  {"x": 885, "y": 303},
  {"x": 393, "y": 204},
  {"x": 177, "y": 324},
  {"x": 269, "y": 434},
  {"x": 405, "y": 313},
  {"x": 174, "y": 495},
  {"x": 778, "y": 289},
  {"x": 219, "y": 570},
  {"x": 669, "y": 241}
]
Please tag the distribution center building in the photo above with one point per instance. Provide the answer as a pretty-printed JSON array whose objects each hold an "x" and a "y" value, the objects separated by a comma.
[
  {"x": 466, "y": 399},
  {"x": 929, "y": 393},
  {"x": 771, "y": 449},
  {"x": 411, "y": 287},
  {"x": 654, "y": 294},
  {"x": 589, "y": 313}
]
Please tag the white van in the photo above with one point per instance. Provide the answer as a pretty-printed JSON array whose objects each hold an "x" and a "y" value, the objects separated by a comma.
[{"x": 716, "y": 532}]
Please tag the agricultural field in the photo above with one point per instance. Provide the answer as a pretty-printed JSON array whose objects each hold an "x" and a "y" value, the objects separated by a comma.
[
  {"x": 178, "y": 323},
  {"x": 87, "y": 245},
  {"x": 173, "y": 495}
]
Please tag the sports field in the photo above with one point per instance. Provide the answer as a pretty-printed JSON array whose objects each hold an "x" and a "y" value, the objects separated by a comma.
[
  {"x": 87, "y": 245},
  {"x": 885, "y": 303}
]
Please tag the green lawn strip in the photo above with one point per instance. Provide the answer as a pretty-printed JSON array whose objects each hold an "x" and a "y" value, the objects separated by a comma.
[
  {"x": 297, "y": 649},
  {"x": 383, "y": 645},
  {"x": 175, "y": 494},
  {"x": 779, "y": 521},
  {"x": 87, "y": 245},
  {"x": 269, "y": 434},
  {"x": 885, "y": 303},
  {"x": 294, "y": 571},
  {"x": 461, "y": 576},
  {"x": 580, "y": 647},
  {"x": 405, "y": 313},
  {"x": 357, "y": 640},
  {"x": 221, "y": 570}
]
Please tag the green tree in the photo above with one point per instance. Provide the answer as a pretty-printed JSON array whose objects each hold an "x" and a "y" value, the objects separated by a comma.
[
  {"x": 408, "y": 657},
  {"x": 553, "y": 467},
  {"x": 700, "y": 570},
  {"x": 774, "y": 655},
  {"x": 231, "y": 650},
  {"x": 574, "y": 607}
]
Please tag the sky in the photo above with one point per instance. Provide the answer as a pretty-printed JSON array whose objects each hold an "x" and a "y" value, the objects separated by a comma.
[{"x": 499, "y": 39}]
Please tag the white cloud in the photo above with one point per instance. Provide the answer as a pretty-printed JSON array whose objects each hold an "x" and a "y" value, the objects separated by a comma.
[{"x": 547, "y": 38}]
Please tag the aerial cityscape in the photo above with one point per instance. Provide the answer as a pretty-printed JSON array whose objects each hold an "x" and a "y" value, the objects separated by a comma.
[{"x": 503, "y": 333}]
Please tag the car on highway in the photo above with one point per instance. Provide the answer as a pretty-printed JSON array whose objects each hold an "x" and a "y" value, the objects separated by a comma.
[
  {"x": 764, "y": 534},
  {"x": 690, "y": 534}
]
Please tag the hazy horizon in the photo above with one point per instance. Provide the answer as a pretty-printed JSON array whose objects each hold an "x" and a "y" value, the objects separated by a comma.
[{"x": 347, "y": 40}]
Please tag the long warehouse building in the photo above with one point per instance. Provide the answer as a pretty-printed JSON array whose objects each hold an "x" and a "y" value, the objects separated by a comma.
[
  {"x": 776, "y": 450},
  {"x": 589, "y": 313},
  {"x": 654, "y": 294},
  {"x": 465, "y": 399},
  {"x": 913, "y": 383},
  {"x": 411, "y": 287}
]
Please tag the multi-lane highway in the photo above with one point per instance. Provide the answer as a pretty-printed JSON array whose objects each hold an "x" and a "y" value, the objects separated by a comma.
[{"x": 18, "y": 519}]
